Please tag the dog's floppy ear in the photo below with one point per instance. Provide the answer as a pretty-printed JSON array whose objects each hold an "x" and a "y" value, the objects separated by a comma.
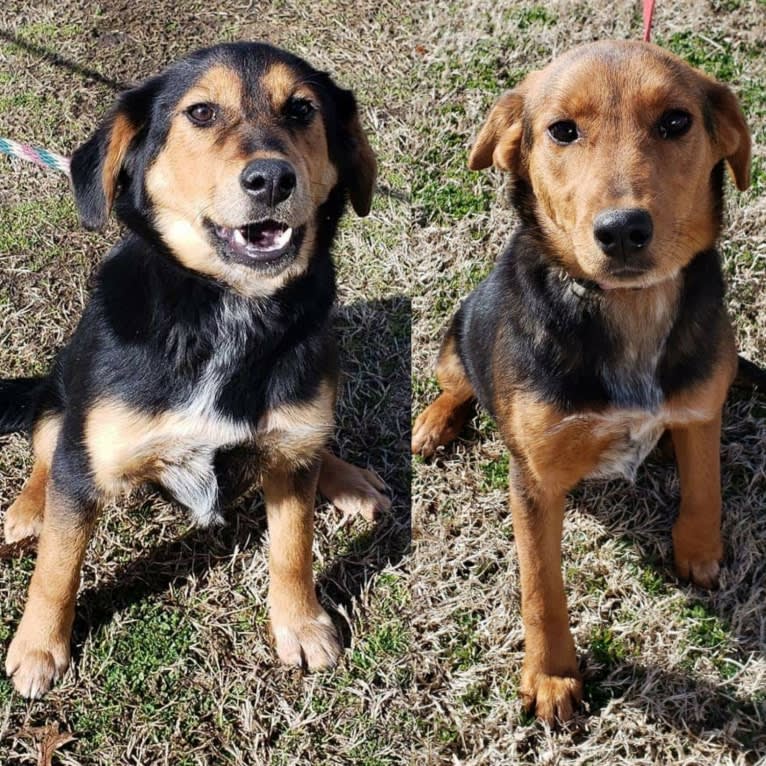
[
  {"x": 358, "y": 166},
  {"x": 96, "y": 164},
  {"x": 732, "y": 135},
  {"x": 499, "y": 139}
]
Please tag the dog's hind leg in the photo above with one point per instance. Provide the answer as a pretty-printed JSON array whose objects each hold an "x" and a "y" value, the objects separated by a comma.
[
  {"x": 443, "y": 420},
  {"x": 24, "y": 518}
]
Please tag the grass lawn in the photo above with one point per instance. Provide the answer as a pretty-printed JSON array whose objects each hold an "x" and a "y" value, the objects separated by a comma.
[{"x": 172, "y": 662}]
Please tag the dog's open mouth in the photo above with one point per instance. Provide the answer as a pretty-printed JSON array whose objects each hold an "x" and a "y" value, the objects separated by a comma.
[{"x": 260, "y": 242}]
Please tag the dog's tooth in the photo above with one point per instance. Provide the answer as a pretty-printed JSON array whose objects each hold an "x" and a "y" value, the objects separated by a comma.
[
  {"x": 283, "y": 238},
  {"x": 239, "y": 237}
]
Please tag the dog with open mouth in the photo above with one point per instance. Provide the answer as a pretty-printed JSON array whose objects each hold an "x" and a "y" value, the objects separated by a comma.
[
  {"x": 603, "y": 323},
  {"x": 204, "y": 360}
]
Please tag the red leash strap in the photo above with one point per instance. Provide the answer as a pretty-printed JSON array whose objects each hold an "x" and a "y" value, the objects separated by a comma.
[{"x": 648, "y": 13}]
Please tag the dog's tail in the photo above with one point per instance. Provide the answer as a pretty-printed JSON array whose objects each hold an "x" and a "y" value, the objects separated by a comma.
[
  {"x": 750, "y": 375},
  {"x": 19, "y": 399}
]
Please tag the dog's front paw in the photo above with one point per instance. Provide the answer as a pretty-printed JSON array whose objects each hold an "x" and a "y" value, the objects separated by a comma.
[
  {"x": 552, "y": 698},
  {"x": 703, "y": 571},
  {"x": 22, "y": 520},
  {"x": 697, "y": 558},
  {"x": 311, "y": 642},
  {"x": 36, "y": 664}
]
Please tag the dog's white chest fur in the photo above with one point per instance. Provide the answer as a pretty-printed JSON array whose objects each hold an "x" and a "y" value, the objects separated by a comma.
[
  {"x": 634, "y": 434},
  {"x": 634, "y": 442}
]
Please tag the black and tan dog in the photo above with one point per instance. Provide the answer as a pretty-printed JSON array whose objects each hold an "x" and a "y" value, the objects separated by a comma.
[
  {"x": 204, "y": 359},
  {"x": 603, "y": 323}
]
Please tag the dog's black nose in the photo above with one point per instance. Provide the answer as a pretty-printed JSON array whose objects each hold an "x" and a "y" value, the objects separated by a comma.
[
  {"x": 268, "y": 181},
  {"x": 622, "y": 232}
]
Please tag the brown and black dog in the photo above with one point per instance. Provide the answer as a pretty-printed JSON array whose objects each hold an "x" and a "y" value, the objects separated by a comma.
[
  {"x": 204, "y": 360},
  {"x": 603, "y": 323}
]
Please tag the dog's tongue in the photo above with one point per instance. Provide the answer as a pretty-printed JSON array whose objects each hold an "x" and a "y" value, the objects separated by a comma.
[{"x": 266, "y": 236}]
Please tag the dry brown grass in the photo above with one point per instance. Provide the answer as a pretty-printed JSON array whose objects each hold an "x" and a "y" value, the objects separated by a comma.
[
  {"x": 172, "y": 660},
  {"x": 172, "y": 656},
  {"x": 673, "y": 674}
]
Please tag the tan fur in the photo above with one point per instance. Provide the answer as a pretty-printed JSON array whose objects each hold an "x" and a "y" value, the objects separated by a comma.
[
  {"x": 444, "y": 419},
  {"x": 122, "y": 133},
  {"x": 296, "y": 433},
  {"x": 351, "y": 489},
  {"x": 279, "y": 82},
  {"x": 184, "y": 193},
  {"x": 126, "y": 446},
  {"x": 619, "y": 163}
]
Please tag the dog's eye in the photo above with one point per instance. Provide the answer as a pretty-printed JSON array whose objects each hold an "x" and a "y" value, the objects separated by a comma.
[
  {"x": 674, "y": 123},
  {"x": 299, "y": 109},
  {"x": 564, "y": 132},
  {"x": 201, "y": 114}
]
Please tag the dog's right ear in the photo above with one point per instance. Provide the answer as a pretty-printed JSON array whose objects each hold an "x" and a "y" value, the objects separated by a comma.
[
  {"x": 499, "y": 140},
  {"x": 96, "y": 165}
]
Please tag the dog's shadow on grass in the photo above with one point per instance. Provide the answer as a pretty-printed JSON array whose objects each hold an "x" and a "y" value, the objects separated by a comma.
[
  {"x": 725, "y": 625},
  {"x": 373, "y": 424}
]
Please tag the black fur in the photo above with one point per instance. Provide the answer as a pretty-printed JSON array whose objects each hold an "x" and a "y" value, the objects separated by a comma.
[
  {"x": 524, "y": 320},
  {"x": 19, "y": 403}
]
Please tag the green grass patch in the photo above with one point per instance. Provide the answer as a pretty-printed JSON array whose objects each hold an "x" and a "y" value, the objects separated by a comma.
[
  {"x": 6, "y": 690},
  {"x": 708, "y": 637},
  {"x": 466, "y": 649},
  {"x": 706, "y": 629},
  {"x": 495, "y": 473},
  {"x": 534, "y": 16},
  {"x": 712, "y": 53},
  {"x": 140, "y": 671},
  {"x": 476, "y": 698},
  {"x": 606, "y": 648},
  {"x": 37, "y": 228},
  {"x": 652, "y": 582},
  {"x": 391, "y": 638},
  {"x": 443, "y": 188},
  {"x": 45, "y": 32}
]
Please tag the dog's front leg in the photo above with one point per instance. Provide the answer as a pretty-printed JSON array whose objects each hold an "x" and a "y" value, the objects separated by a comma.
[
  {"x": 303, "y": 632},
  {"x": 40, "y": 651},
  {"x": 697, "y": 544},
  {"x": 550, "y": 681}
]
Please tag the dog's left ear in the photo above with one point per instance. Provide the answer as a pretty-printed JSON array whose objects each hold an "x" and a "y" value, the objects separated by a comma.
[
  {"x": 96, "y": 165},
  {"x": 499, "y": 140},
  {"x": 732, "y": 135},
  {"x": 358, "y": 166}
]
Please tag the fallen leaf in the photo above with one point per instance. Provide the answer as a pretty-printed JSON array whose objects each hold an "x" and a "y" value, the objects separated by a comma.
[{"x": 49, "y": 738}]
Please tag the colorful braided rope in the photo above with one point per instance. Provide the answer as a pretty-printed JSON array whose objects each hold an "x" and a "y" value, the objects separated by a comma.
[{"x": 35, "y": 154}]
